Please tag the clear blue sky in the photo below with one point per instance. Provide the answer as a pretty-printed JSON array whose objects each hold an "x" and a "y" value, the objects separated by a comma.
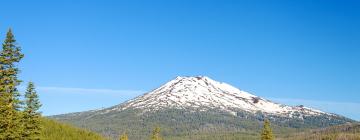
[{"x": 92, "y": 54}]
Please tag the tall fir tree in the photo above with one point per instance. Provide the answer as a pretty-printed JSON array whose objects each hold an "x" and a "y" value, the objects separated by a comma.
[
  {"x": 266, "y": 133},
  {"x": 10, "y": 117},
  {"x": 31, "y": 116},
  {"x": 124, "y": 136},
  {"x": 156, "y": 134}
]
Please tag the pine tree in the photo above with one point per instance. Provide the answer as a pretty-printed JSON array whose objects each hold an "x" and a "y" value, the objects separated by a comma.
[
  {"x": 124, "y": 137},
  {"x": 156, "y": 134},
  {"x": 10, "y": 117},
  {"x": 31, "y": 116},
  {"x": 266, "y": 133}
]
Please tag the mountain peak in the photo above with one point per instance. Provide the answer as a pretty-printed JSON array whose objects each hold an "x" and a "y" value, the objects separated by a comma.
[{"x": 203, "y": 84}]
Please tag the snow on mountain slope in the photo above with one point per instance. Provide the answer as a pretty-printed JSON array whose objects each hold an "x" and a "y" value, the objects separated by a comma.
[{"x": 204, "y": 93}]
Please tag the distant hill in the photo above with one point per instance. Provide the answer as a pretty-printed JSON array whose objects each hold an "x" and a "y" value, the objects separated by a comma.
[
  {"x": 196, "y": 108},
  {"x": 53, "y": 130},
  {"x": 340, "y": 132}
]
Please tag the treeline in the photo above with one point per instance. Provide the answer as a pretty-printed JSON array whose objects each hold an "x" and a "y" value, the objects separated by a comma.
[
  {"x": 180, "y": 123},
  {"x": 154, "y": 136},
  {"x": 175, "y": 124},
  {"x": 19, "y": 119},
  {"x": 266, "y": 134},
  {"x": 340, "y": 132}
]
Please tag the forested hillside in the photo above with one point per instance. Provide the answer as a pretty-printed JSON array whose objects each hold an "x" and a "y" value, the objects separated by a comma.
[
  {"x": 53, "y": 130},
  {"x": 175, "y": 124},
  {"x": 340, "y": 132}
]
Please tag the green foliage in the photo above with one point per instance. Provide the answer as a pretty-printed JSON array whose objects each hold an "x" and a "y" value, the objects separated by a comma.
[
  {"x": 156, "y": 134},
  {"x": 53, "y": 130},
  {"x": 340, "y": 132},
  {"x": 31, "y": 118},
  {"x": 216, "y": 136},
  {"x": 124, "y": 136},
  {"x": 10, "y": 117},
  {"x": 266, "y": 133}
]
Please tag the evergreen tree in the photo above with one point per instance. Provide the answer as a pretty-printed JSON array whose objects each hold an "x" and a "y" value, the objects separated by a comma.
[
  {"x": 9, "y": 95},
  {"x": 124, "y": 137},
  {"x": 156, "y": 134},
  {"x": 31, "y": 116},
  {"x": 266, "y": 133}
]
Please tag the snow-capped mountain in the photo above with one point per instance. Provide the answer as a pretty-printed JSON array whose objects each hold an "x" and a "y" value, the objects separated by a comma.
[
  {"x": 193, "y": 105},
  {"x": 202, "y": 93}
]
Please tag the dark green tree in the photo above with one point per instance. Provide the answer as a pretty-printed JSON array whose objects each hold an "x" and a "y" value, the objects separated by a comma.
[
  {"x": 31, "y": 116},
  {"x": 156, "y": 134},
  {"x": 124, "y": 136},
  {"x": 10, "y": 117},
  {"x": 266, "y": 133}
]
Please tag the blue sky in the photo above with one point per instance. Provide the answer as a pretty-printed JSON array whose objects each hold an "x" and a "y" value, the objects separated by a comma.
[{"x": 91, "y": 54}]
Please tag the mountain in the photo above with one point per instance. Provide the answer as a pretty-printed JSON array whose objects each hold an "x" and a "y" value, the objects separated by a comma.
[
  {"x": 192, "y": 107},
  {"x": 203, "y": 93}
]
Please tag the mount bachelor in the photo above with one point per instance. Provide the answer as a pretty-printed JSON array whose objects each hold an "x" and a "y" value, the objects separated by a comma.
[{"x": 198, "y": 105}]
